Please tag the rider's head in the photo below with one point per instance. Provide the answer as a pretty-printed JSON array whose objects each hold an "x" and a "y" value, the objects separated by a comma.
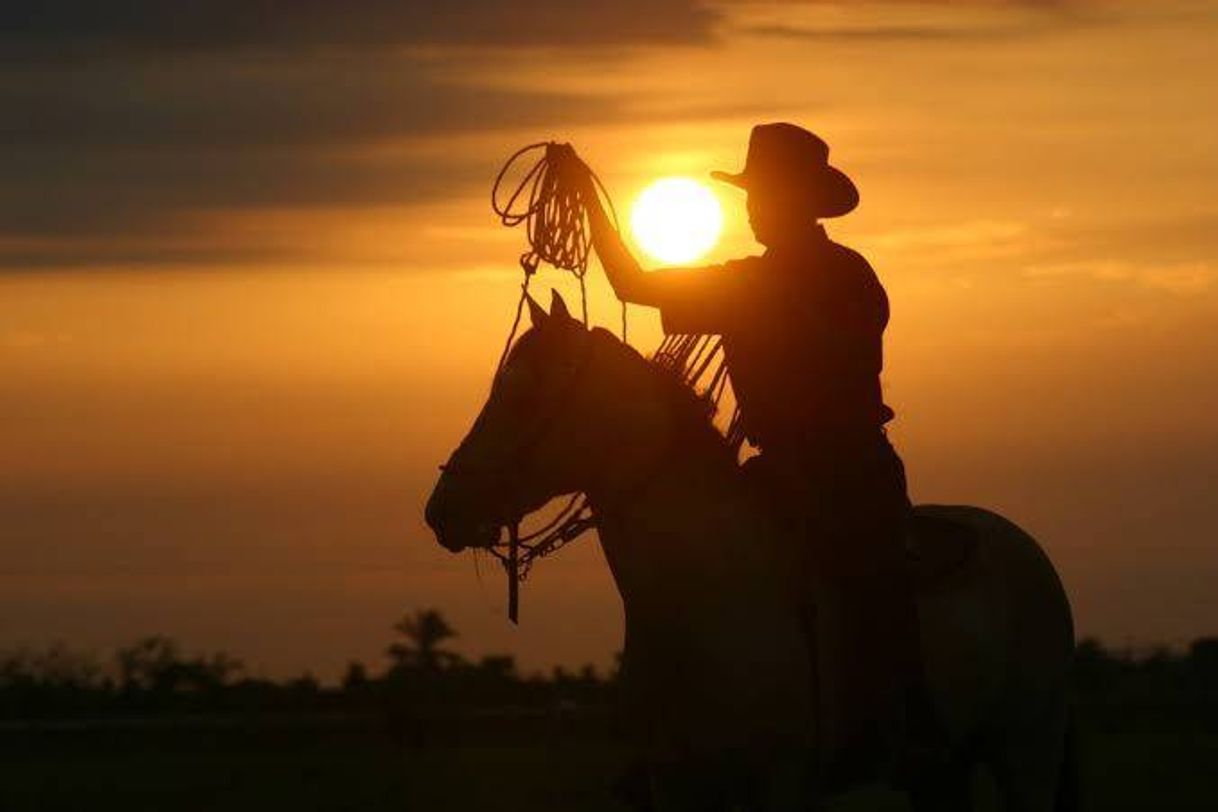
[
  {"x": 790, "y": 183},
  {"x": 776, "y": 215}
]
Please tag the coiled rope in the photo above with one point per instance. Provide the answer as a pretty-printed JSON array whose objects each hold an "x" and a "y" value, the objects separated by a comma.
[{"x": 550, "y": 202}]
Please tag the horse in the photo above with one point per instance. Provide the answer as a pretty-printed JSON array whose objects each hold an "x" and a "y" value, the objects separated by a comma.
[{"x": 726, "y": 691}]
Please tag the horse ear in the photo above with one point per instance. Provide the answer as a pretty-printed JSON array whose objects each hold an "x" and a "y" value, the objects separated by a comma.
[
  {"x": 537, "y": 313},
  {"x": 558, "y": 307}
]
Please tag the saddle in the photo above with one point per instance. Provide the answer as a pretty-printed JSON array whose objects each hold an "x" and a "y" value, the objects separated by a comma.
[{"x": 938, "y": 547}]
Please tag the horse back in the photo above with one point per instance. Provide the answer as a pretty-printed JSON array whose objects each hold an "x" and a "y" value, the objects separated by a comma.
[{"x": 939, "y": 545}]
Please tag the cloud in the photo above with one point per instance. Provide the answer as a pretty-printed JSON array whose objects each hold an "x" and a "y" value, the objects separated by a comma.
[
  {"x": 109, "y": 208},
  {"x": 913, "y": 20},
  {"x": 151, "y": 114},
  {"x": 125, "y": 119},
  {"x": 152, "y": 26},
  {"x": 122, "y": 151},
  {"x": 1180, "y": 279},
  {"x": 892, "y": 32},
  {"x": 225, "y": 103}
]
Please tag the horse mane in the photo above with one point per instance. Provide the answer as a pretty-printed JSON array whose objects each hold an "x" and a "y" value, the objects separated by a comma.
[{"x": 695, "y": 410}]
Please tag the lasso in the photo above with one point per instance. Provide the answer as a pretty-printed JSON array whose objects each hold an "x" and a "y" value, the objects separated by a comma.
[{"x": 555, "y": 216}]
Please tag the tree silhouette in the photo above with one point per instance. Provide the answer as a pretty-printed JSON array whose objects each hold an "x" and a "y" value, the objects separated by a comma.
[
  {"x": 149, "y": 664},
  {"x": 356, "y": 676},
  {"x": 1203, "y": 660},
  {"x": 156, "y": 664},
  {"x": 424, "y": 632}
]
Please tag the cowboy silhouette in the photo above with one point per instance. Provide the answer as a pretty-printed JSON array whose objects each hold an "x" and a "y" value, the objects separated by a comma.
[{"x": 802, "y": 326}]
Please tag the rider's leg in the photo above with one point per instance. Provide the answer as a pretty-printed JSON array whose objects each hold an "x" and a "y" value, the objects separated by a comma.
[
  {"x": 919, "y": 731},
  {"x": 864, "y": 557}
]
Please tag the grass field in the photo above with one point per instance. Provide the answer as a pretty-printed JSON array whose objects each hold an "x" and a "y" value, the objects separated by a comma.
[{"x": 532, "y": 763}]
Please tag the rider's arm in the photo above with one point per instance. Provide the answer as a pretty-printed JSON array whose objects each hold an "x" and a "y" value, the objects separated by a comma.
[
  {"x": 630, "y": 282},
  {"x": 656, "y": 288},
  {"x": 691, "y": 300}
]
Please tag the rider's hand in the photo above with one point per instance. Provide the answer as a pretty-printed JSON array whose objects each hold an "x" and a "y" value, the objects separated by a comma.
[
  {"x": 566, "y": 152},
  {"x": 572, "y": 169}
]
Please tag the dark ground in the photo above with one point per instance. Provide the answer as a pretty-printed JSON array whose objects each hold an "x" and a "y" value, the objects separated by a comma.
[
  {"x": 1135, "y": 757},
  {"x": 161, "y": 730}
]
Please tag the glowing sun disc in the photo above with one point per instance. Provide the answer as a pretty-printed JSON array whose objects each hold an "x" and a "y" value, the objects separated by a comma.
[{"x": 676, "y": 220}]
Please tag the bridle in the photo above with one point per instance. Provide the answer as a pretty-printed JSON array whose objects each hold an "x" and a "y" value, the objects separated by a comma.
[
  {"x": 690, "y": 356},
  {"x": 519, "y": 552}
]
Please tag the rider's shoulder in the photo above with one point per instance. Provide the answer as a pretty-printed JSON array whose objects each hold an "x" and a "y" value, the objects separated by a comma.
[
  {"x": 743, "y": 264},
  {"x": 848, "y": 256},
  {"x": 858, "y": 280},
  {"x": 855, "y": 268}
]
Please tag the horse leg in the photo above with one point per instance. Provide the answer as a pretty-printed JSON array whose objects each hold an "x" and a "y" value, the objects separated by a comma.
[
  {"x": 633, "y": 788},
  {"x": 785, "y": 785},
  {"x": 788, "y": 785},
  {"x": 946, "y": 789},
  {"x": 697, "y": 785},
  {"x": 1028, "y": 762}
]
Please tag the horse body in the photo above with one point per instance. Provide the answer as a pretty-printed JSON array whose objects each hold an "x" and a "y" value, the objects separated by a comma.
[
  {"x": 726, "y": 679},
  {"x": 715, "y": 654},
  {"x": 998, "y": 643}
]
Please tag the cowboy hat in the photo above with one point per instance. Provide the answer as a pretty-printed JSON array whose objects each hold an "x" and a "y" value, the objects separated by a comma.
[{"x": 789, "y": 158}]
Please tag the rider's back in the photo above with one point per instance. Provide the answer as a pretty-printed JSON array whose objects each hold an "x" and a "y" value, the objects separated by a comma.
[{"x": 802, "y": 327}]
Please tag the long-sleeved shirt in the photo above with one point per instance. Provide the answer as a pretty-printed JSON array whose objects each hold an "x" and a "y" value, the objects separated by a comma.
[{"x": 802, "y": 330}]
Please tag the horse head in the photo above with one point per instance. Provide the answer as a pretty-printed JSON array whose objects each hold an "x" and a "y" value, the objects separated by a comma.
[{"x": 535, "y": 438}]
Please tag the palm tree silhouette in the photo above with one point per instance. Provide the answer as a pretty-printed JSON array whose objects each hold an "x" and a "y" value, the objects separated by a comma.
[{"x": 424, "y": 632}]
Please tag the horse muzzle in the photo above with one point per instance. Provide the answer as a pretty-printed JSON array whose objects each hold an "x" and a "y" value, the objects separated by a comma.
[{"x": 456, "y": 520}]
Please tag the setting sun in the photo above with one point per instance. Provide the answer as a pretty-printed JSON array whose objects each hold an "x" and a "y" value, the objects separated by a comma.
[{"x": 676, "y": 220}]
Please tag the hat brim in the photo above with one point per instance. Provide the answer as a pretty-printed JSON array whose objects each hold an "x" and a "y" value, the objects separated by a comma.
[{"x": 834, "y": 194}]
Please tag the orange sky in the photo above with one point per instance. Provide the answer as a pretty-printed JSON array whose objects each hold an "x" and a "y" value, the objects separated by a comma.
[{"x": 251, "y": 293}]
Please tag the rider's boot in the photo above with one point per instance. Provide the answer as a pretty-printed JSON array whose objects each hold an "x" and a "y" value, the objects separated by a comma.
[
  {"x": 917, "y": 738},
  {"x": 918, "y": 743}
]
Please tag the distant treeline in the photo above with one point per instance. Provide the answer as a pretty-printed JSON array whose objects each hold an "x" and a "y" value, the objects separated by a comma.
[{"x": 154, "y": 676}]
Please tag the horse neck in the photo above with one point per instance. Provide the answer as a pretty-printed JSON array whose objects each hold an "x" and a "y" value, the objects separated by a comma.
[
  {"x": 668, "y": 494},
  {"x": 651, "y": 437}
]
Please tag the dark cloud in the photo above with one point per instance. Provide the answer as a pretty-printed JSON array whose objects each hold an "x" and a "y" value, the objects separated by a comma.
[
  {"x": 155, "y": 26},
  {"x": 122, "y": 117},
  {"x": 123, "y": 208},
  {"x": 882, "y": 33},
  {"x": 1032, "y": 4},
  {"x": 121, "y": 150},
  {"x": 223, "y": 104},
  {"x": 1041, "y": 16}
]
